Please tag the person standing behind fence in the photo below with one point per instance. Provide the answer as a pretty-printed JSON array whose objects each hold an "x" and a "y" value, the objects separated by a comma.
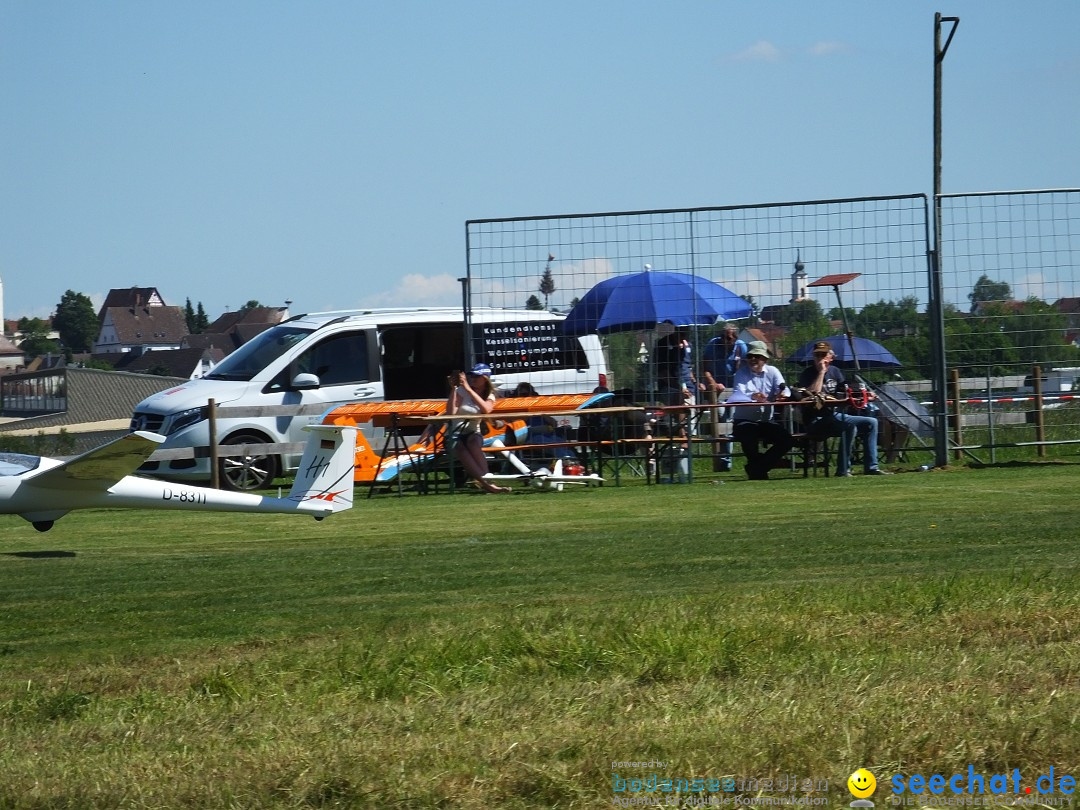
[
  {"x": 758, "y": 382},
  {"x": 723, "y": 356},
  {"x": 541, "y": 428},
  {"x": 675, "y": 369}
]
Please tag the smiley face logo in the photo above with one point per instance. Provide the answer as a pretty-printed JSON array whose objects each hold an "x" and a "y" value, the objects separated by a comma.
[{"x": 862, "y": 783}]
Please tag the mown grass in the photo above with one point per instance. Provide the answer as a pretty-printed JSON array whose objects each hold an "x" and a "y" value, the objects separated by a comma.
[{"x": 504, "y": 651}]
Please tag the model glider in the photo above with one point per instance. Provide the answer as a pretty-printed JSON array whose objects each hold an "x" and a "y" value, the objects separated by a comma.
[
  {"x": 43, "y": 490},
  {"x": 542, "y": 478}
]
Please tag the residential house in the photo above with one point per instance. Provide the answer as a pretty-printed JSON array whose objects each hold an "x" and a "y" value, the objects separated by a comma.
[
  {"x": 142, "y": 322},
  {"x": 1070, "y": 308},
  {"x": 188, "y": 362},
  {"x": 11, "y": 356},
  {"x": 131, "y": 297},
  {"x": 767, "y": 333}
]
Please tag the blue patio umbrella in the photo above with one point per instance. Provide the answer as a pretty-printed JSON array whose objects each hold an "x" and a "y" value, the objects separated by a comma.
[
  {"x": 644, "y": 300},
  {"x": 867, "y": 353}
]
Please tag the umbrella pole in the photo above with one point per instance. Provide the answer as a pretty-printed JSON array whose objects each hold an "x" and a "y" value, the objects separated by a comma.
[{"x": 847, "y": 329}]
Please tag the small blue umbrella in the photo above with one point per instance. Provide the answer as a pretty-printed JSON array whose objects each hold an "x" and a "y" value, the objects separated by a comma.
[
  {"x": 644, "y": 300},
  {"x": 867, "y": 353}
]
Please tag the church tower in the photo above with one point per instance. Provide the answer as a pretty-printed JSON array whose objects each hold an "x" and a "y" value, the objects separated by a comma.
[{"x": 798, "y": 280}]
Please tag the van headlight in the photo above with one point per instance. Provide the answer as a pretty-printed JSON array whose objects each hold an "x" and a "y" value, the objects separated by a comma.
[{"x": 186, "y": 419}]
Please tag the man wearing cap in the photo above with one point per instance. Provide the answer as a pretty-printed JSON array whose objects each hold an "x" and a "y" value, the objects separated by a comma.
[
  {"x": 756, "y": 385},
  {"x": 825, "y": 379}
]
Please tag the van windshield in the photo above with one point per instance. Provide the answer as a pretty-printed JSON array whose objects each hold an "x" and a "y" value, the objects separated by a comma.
[{"x": 258, "y": 353}]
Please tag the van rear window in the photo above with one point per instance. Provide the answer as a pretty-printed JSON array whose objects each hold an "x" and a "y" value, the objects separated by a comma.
[{"x": 515, "y": 346}]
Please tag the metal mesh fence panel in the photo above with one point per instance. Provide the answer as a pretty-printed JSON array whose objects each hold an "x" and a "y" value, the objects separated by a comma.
[
  {"x": 1009, "y": 269},
  {"x": 768, "y": 254}
]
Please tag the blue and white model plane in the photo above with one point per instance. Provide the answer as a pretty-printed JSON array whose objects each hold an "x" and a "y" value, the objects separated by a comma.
[{"x": 42, "y": 490}]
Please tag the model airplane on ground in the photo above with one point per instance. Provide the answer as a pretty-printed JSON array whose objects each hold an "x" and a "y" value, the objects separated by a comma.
[
  {"x": 43, "y": 490},
  {"x": 542, "y": 478}
]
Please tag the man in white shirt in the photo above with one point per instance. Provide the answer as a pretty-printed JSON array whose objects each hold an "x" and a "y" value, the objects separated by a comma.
[{"x": 758, "y": 382}]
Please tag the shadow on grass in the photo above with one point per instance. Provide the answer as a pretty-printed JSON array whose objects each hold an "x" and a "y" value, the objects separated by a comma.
[
  {"x": 1017, "y": 465},
  {"x": 39, "y": 555}
]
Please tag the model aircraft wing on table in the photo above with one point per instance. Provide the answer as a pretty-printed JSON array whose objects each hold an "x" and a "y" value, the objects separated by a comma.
[
  {"x": 43, "y": 490},
  {"x": 362, "y": 412}
]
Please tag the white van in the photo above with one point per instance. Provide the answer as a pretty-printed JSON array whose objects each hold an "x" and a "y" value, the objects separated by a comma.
[{"x": 321, "y": 360}]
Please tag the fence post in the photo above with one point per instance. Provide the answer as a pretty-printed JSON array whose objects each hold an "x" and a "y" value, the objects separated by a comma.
[
  {"x": 714, "y": 417},
  {"x": 211, "y": 420},
  {"x": 1040, "y": 426},
  {"x": 958, "y": 419}
]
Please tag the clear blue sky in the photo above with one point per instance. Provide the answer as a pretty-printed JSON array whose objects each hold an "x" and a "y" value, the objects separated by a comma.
[{"x": 331, "y": 152}]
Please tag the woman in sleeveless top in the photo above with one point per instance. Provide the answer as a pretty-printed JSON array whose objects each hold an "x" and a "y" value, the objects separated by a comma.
[{"x": 471, "y": 394}]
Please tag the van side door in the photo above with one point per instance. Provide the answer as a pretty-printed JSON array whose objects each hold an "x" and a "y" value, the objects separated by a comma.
[{"x": 338, "y": 369}]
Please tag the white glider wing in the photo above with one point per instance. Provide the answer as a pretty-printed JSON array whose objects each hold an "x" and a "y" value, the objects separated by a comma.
[{"x": 100, "y": 468}]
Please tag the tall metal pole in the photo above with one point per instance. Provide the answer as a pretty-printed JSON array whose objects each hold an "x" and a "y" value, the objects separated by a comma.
[
  {"x": 936, "y": 304},
  {"x": 466, "y": 305},
  {"x": 847, "y": 329}
]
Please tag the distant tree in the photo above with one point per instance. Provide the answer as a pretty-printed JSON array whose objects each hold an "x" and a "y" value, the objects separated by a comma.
[
  {"x": 574, "y": 302},
  {"x": 76, "y": 321},
  {"x": 986, "y": 289},
  {"x": 804, "y": 321},
  {"x": 807, "y": 311},
  {"x": 625, "y": 369},
  {"x": 31, "y": 326},
  {"x": 755, "y": 310},
  {"x": 36, "y": 338},
  {"x": 252, "y": 304},
  {"x": 978, "y": 346},
  {"x": 836, "y": 314},
  {"x": 901, "y": 317},
  {"x": 534, "y": 303},
  {"x": 195, "y": 319},
  {"x": 547, "y": 283}
]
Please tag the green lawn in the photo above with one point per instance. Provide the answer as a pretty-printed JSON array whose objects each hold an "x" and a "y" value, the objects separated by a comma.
[{"x": 506, "y": 651}]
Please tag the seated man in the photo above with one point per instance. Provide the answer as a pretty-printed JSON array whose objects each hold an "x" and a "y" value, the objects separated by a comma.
[
  {"x": 543, "y": 429},
  {"x": 758, "y": 382},
  {"x": 826, "y": 380}
]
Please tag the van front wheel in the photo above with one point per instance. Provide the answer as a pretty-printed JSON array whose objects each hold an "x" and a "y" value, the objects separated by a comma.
[{"x": 247, "y": 472}]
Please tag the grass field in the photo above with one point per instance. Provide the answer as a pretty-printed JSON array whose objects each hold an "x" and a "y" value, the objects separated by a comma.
[{"x": 516, "y": 651}]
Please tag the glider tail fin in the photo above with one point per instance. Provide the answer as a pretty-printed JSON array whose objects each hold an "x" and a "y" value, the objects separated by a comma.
[{"x": 325, "y": 476}]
